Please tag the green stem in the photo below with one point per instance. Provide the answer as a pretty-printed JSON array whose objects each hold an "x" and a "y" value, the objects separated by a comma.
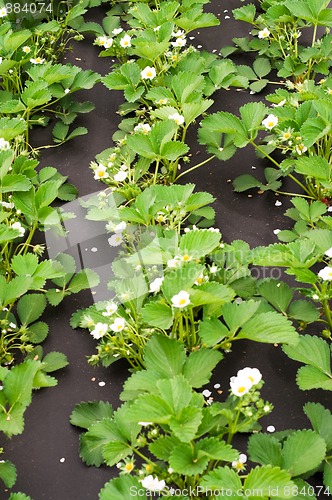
[
  {"x": 156, "y": 172},
  {"x": 327, "y": 312},
  {"x": 278, "y": 165},
  {"x": 194, "y": 168}
]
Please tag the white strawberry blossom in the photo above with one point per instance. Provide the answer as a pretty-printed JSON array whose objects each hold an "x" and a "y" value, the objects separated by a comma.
[
  {"x": 17, "y": 225},
  {"x": 326, "y": 273},
  {"x": 253, "y": 374},
  {"x": 155, "y": 285},
  {"x": 179, "y": 42},
  {"x": 152, "y": 483},
  {"x": 265, "y": 33},
  {"x": 111, "y": 308},
  {"x": 117, "y": 31},
  {"x": 3, "y": 12},
  {"x": 179, "y": 119},
  {"x": 240, "y": 387},
  {"x": 37, "y": 60},
  {"x": 244, "y": 381},
  {"x": 148, "y": 73},
  {"x": 99, "y": 330},
  {"x": 120, "y": 227},
  {"x": 120, "y": 176},
  {"x": 142, "y": 127},
  {"x": 270, "y": 122},
  {"x": 118, "y": 325},
  {"x": 108, "y": 43},
  {"x": 125, "y": 41},
  {"x": 115, "y": 240},
  {"x": 239, "y": 464},
  {"x": 181, "y": 300},
  {"x": 4, "y": 144},
  {"x": 173, "y": 263},
  {"x": 178, "y": 34},
  {"x": 100, "y": 172},
  {"x": 328, "y": 253},
  {"x": 301, "y": 148}
]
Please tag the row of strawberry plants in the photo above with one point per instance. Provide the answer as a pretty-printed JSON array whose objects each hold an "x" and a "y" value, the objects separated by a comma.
[
  {"x": 181, "y": 296},
  {"x": 34, "y": 90}
]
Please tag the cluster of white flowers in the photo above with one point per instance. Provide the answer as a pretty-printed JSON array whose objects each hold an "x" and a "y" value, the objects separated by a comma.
[
  {"x": 180, "y": 39},
  {"x": 117, "y": 238},
  {"x": 104, "y": 41},
  {"x": 100, "y": 329},
  {"x": 244, "y": 381}
]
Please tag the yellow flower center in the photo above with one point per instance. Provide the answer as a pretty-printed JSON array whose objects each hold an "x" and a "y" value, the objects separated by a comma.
[
  {"x": 129, "y": 467},
  {"x": 241, "y": 389},
  {"x": 182, "y": 302},
  {"x": 287, "y": 135}
]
